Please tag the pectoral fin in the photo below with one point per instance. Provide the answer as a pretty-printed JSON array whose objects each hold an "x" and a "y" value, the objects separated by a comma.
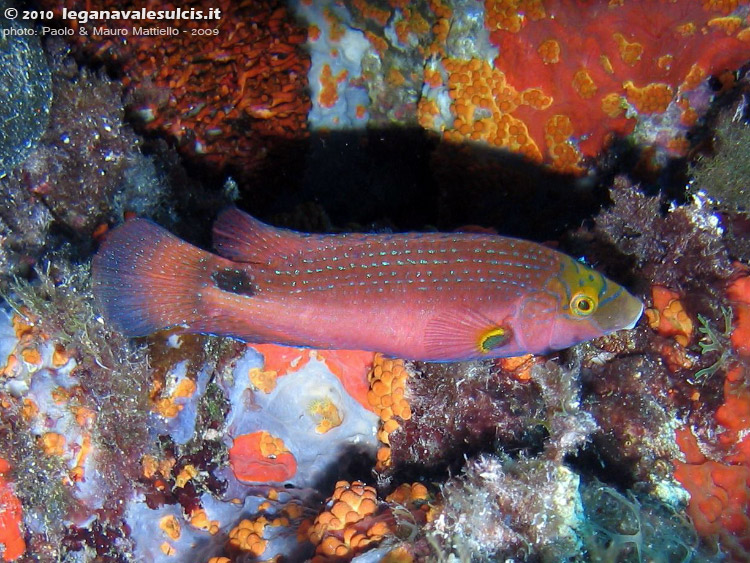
[{"x": 466, "y": 335}]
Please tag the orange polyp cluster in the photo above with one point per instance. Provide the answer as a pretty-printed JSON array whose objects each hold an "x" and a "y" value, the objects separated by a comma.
[
  {"x": 345, "y": 528},
  {"x": 549, "y": 51},
  {"x": 511, "y": 15},
  {"x": 409, "y": 494},
  {"x": 26, "y": 354},
  {"x": 386, "y": 397},
  {"x": 416, "y": 499},
  {"x": 668, "y": 316},
  {"x": 70, "y": 438}
]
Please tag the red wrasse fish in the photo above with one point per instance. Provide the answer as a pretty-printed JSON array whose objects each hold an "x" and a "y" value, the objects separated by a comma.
[{"x": 426, "y": 296}]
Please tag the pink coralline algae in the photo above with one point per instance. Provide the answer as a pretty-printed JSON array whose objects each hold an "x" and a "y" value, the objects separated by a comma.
[{"x": 569, "y": 74}]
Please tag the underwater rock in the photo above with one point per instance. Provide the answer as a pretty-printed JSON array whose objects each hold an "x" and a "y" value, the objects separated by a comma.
[
  {"x": 26, "y": 91},
  {"x": 86, "y": 169}
]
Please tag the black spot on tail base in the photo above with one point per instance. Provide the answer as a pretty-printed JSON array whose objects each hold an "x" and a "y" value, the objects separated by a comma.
[{"x": 233, "y": 281}]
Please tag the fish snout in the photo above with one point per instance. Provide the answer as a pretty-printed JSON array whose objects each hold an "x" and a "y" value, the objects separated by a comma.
[{"x": 620, "y": 313}]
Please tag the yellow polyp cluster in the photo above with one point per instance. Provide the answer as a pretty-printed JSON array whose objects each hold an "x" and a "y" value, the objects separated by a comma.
[
  {"x": 263, "y": 380},
  {"x": 186, "y": 474},
  {"x": 168, "y": 406},
  {"x": 722, "y": 6},
  {"x": 613, "y": 105},
  {"x": 630, "y": 51},
  {"x": 694, "y": 77},
  {"x": 386, "y": 397},
  {"x": 343, "y": 529},
  {"x": 271, "y": 446},
  {"x": 199, "y": 519},
  {"x": 372, "y": 12},
  {"x": 171, "y": 527},
  {"x": 557, "y": 132},
  {"x": 584, "y": 84},
  {"x": 668, "y": 315},
  {"x": 651, "y": 98},
  {"x": 728, "y": 24},
  {"x": 52, "y": 443},
  {"x": 549, "y": 50},
  {"x": 484, "y": 102},
  {"x": 220, "y": 560},
  {"x": 416, "y": 499},
  {"x": 150, "y": 466},
  {"x": 328, "y": 414},
  {"x": 26, "y": 355},
  {"x": 329, "y": 86},
  {"x": 509, "y": 15},
  {"x": 247, "y": 536}
]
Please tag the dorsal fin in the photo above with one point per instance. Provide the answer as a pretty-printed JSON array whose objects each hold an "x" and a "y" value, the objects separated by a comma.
[{"x": 243, "y": 238}]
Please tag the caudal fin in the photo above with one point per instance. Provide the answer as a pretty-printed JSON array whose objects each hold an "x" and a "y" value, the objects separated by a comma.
[{"x": 145, "y": 279}]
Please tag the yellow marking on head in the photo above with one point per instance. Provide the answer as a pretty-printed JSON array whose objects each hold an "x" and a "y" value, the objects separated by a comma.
[
  {"x": 494, "y": 338},
  {"x": 579, "y": 288}
]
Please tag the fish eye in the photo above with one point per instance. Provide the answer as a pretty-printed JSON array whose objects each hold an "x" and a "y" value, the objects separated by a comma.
[{"x": 582, "y": 304}]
